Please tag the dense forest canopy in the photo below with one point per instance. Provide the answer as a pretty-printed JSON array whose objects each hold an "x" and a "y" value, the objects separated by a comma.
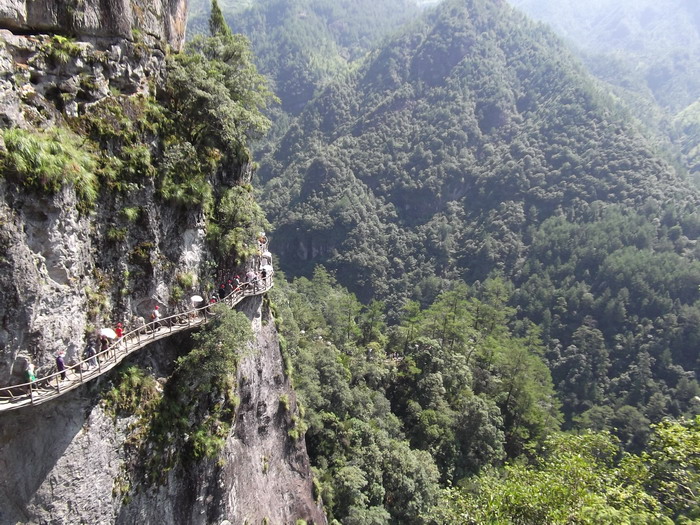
[
  {"x": 474, "y": 145},
  {"x": 488, "y": 248},
  {"x": 648, "y": 51},
  {"x": 301, "y": 45},
  {"x": 410, "y": 423}
]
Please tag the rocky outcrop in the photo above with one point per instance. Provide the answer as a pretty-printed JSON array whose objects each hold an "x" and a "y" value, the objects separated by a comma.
[
  {"x": 63, "y": 268},
  {"x": 163, "y": 20},
  {"x": 69, "y": 461},
  {"x": 67, "y": 269},
  {"x": 268, "y": 475},
  {"x": 45, "y": 79}
]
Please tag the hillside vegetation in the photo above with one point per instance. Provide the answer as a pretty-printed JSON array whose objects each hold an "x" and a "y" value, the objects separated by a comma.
[
  {"x": 411, "y": 423},
  {"x": 474, "y": 145},
  {"x": 301, "y": 45},
  {"x": 648, "y": 51}
]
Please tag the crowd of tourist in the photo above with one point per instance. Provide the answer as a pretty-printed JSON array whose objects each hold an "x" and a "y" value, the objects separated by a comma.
[{"x": 98, "y": 344}]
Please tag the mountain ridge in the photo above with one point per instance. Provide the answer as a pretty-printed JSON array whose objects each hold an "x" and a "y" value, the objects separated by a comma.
[{"x": 407, "y": 177}]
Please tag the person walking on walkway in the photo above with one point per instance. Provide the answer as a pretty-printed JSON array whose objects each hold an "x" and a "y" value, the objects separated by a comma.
[
  {"x": 61, "y": 365},
  {"x": 155, "y": 317},
  {"x": 250, "y": 276},
  {"x": 31, "y": 375},
  {"x": 104, "y": 345},
  {"x": 89, "y": 354}
]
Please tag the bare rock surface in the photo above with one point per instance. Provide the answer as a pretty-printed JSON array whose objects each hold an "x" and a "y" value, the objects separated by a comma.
[
  {"x": 164, "y": 20},
  {"x": 268, "y": 471}
]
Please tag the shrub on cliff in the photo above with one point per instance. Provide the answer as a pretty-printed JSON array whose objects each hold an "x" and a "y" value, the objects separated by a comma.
[{"x": 48, "y": 161}]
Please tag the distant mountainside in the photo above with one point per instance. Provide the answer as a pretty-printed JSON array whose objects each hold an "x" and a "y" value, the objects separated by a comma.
[
  {"x": 300, "y": 45},
  {"x": 649, "y": 49},
  {"x": 474, "y": 144}
]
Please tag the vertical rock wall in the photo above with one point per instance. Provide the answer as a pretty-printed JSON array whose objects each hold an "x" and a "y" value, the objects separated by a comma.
[
  {"x": 267, "y": 475},
  {"x": 164, "y": 20},
  {"x": 68, "y": 461},
  {"x": 58, "y": 262}
]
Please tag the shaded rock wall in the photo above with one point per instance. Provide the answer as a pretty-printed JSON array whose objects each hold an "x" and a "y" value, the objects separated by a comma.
[
  {"x": 164, "y": 20},
  {"x": 68, "y": 461}
]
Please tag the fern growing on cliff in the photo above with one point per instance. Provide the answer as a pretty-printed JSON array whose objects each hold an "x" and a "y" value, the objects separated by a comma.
[{"x": 48, "y": 161}]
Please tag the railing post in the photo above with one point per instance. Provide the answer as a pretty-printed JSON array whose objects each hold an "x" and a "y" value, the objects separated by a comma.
[
  {"x": 31, "y": 394},
  {"x": 80, "y": 370}
]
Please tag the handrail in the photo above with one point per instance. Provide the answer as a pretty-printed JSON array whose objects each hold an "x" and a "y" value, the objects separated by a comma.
[{"x": 42, "y": 389}]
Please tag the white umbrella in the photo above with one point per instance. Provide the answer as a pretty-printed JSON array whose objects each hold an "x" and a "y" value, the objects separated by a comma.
[
  {"x": 108, "y": 333},
  {"x": 267, "y": 268},
  {"x": 196, "y": 299},
  {"x": 267, "y": 254}
]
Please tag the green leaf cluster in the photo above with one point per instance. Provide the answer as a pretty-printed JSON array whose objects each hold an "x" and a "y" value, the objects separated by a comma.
[
  {"x": 193, "y": 418},
  {"x": 584, "y": 479},
  {"x": 48, "y": 161},
  {"x": 395, "y": 411}
]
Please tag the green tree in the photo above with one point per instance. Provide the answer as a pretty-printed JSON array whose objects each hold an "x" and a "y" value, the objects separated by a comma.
[
  {"x": 576, "y": 480},
  {"x": 217, "y": 23}
]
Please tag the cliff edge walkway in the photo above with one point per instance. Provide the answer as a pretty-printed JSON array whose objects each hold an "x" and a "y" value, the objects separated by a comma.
[{"x": 52, "y": 386}]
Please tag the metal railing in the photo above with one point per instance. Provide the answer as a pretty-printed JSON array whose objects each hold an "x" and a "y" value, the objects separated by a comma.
[{"x": 53, "y": 385}]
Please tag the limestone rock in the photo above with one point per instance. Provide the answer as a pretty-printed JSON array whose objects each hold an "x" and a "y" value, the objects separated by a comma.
[
  {"x": 164, "y": 20},
  {"x": 70, "y": 461}
]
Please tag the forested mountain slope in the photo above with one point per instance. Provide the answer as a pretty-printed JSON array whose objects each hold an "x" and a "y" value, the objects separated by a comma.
[
  {"x": 660, "y": 39},
  {"x": 300, "y": 45},
  {"x": 474, "y": 144},
  {"x": 649, "y": 50}
]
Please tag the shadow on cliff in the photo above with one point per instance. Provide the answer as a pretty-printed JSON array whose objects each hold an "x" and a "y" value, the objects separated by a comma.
[
  {"x": 32, "y": 442},
  {"x": 63, "y": 456}
]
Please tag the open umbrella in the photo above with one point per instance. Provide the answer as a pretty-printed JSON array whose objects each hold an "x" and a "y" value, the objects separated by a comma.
[
  {"x": 196, "y": 299},
  {"x": 267, "y": 255},
  {"x": 108, "y": 333}
]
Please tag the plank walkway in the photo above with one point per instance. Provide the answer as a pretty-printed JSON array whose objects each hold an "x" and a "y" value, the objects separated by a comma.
[{"x": 52, "y": 386}]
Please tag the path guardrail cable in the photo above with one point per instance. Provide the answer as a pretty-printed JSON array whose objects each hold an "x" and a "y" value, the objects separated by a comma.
[{"x": 51, "y": 386}]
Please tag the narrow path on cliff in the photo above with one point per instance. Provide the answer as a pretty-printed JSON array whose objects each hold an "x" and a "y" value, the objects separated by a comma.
[{"x": 52, "y": 386}]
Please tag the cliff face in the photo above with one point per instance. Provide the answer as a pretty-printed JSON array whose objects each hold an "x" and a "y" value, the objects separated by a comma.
[
  {"x": 68, "y": 268},
  {"x": 71, "y": 460},
  {"x": 164, "y": 20},
  {"x": 65, "y": 270}
]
